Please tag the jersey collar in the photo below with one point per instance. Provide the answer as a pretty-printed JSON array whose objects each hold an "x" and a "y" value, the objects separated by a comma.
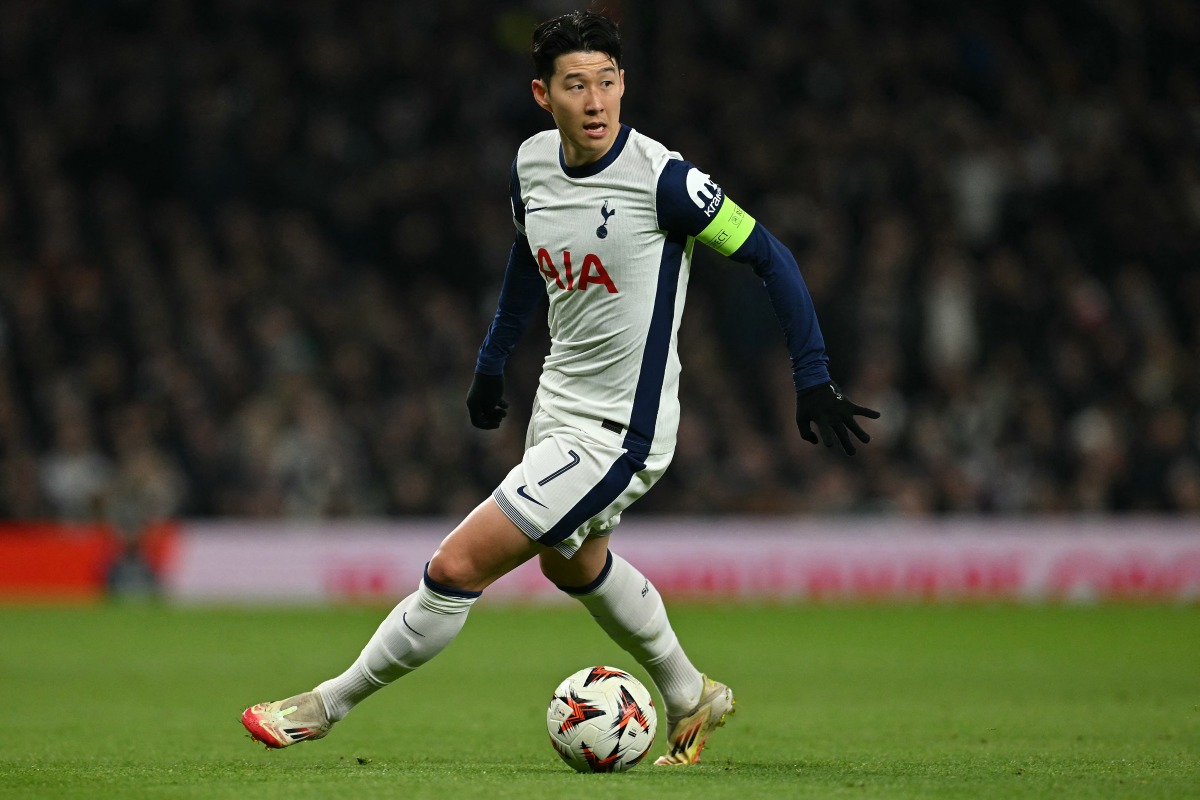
[{"x": 596, "y": 167}]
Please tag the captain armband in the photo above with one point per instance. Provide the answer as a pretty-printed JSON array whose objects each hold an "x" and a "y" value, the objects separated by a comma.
[{"x": 728, "y": 230}]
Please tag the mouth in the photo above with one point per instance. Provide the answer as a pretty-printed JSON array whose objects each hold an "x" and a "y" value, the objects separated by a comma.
[{"x": 595, "y": 130}]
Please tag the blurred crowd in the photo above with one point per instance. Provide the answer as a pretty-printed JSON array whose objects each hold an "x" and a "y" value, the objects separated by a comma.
[{"x": 249, "y": 249}]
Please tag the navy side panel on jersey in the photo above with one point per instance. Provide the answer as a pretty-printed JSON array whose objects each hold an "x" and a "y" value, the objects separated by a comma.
[{"x": 648, "y": 394}]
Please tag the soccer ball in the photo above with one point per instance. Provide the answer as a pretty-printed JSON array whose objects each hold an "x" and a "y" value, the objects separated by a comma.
[{"x": 601, "y": 720}]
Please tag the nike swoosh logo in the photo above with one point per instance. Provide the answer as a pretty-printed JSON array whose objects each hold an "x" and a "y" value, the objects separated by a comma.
[
  {"x": 521, "y": 491},
  {"x": 539, "y": 208},
  {"x": 404, "y": 619}
]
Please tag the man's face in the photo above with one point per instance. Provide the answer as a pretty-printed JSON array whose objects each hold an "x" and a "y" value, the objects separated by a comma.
[{"x": 584, "y": 96}]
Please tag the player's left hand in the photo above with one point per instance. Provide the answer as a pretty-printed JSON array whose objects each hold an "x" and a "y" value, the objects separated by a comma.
[
  {"x": 833, "y": 413},
  {"x": 485, "y": 401}
]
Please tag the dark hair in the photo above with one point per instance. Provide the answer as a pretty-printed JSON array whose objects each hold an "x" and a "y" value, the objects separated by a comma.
[{"x": 579, "y": 31}]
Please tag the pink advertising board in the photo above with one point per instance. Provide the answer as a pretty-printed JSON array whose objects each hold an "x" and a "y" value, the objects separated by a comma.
[{"x": 747, "y": 558}]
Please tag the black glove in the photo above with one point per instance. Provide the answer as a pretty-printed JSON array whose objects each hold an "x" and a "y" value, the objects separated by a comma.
[
  {"x": 825, "y": 405},
  {"x": 485, "y": 401}
]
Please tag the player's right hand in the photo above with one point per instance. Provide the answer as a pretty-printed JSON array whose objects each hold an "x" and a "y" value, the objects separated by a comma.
[{"x": 485, "y": 401}]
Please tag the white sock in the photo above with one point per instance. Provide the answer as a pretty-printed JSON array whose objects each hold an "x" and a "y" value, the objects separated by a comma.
[
  {"x": 417, "y": 629},
  {"x": 631, "y": 612}
]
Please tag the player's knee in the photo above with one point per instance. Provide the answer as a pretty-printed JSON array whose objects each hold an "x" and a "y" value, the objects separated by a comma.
[
  {"x": 566, "y": 578},
  {"x": 454, "y": 570},
  {"x": 577, "y": 575},
  {"x": 554, "y": 566}
]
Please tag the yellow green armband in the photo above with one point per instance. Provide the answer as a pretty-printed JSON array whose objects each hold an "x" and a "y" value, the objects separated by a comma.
[{"x": 728, "y": 229}]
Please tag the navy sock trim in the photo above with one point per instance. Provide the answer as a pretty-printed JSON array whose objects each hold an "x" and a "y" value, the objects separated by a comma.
[
  {"x": 447, "y": 591},
  {"x": 594, "y": 585}
]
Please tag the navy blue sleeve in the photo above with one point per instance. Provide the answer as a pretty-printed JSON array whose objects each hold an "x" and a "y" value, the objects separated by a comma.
[
  {"x": 793, "y": 305},
  {"x": 687, "y": 200},
  {"x": 520, "y": 293},
  {"x": 691, "y": 202}
]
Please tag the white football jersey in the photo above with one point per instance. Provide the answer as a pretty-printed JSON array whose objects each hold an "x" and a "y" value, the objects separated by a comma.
[
  {"x": 616, "y": 281},
  {"x": 610, "y": 244}
]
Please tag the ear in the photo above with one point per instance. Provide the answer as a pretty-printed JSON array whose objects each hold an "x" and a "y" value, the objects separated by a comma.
[
  {"x": 541, "y": 94},
  {"x": 622, "y": 74}
]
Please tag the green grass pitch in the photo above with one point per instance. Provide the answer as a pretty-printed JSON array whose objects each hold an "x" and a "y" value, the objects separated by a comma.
[{"x": 833, "y": 701}]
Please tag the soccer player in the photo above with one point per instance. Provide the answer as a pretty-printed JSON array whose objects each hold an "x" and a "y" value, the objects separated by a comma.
[{"x": 605, "y": 223}]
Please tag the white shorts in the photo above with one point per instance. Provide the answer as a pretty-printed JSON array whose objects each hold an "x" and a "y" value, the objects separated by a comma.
[{"x": 570, "y": 485}]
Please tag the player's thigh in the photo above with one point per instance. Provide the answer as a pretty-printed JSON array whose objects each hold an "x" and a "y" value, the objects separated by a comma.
[{"x": 483, "y": 547}]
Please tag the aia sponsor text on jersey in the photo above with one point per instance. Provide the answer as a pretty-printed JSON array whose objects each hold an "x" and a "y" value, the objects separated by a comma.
[{"x": 591, "y": 272}]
